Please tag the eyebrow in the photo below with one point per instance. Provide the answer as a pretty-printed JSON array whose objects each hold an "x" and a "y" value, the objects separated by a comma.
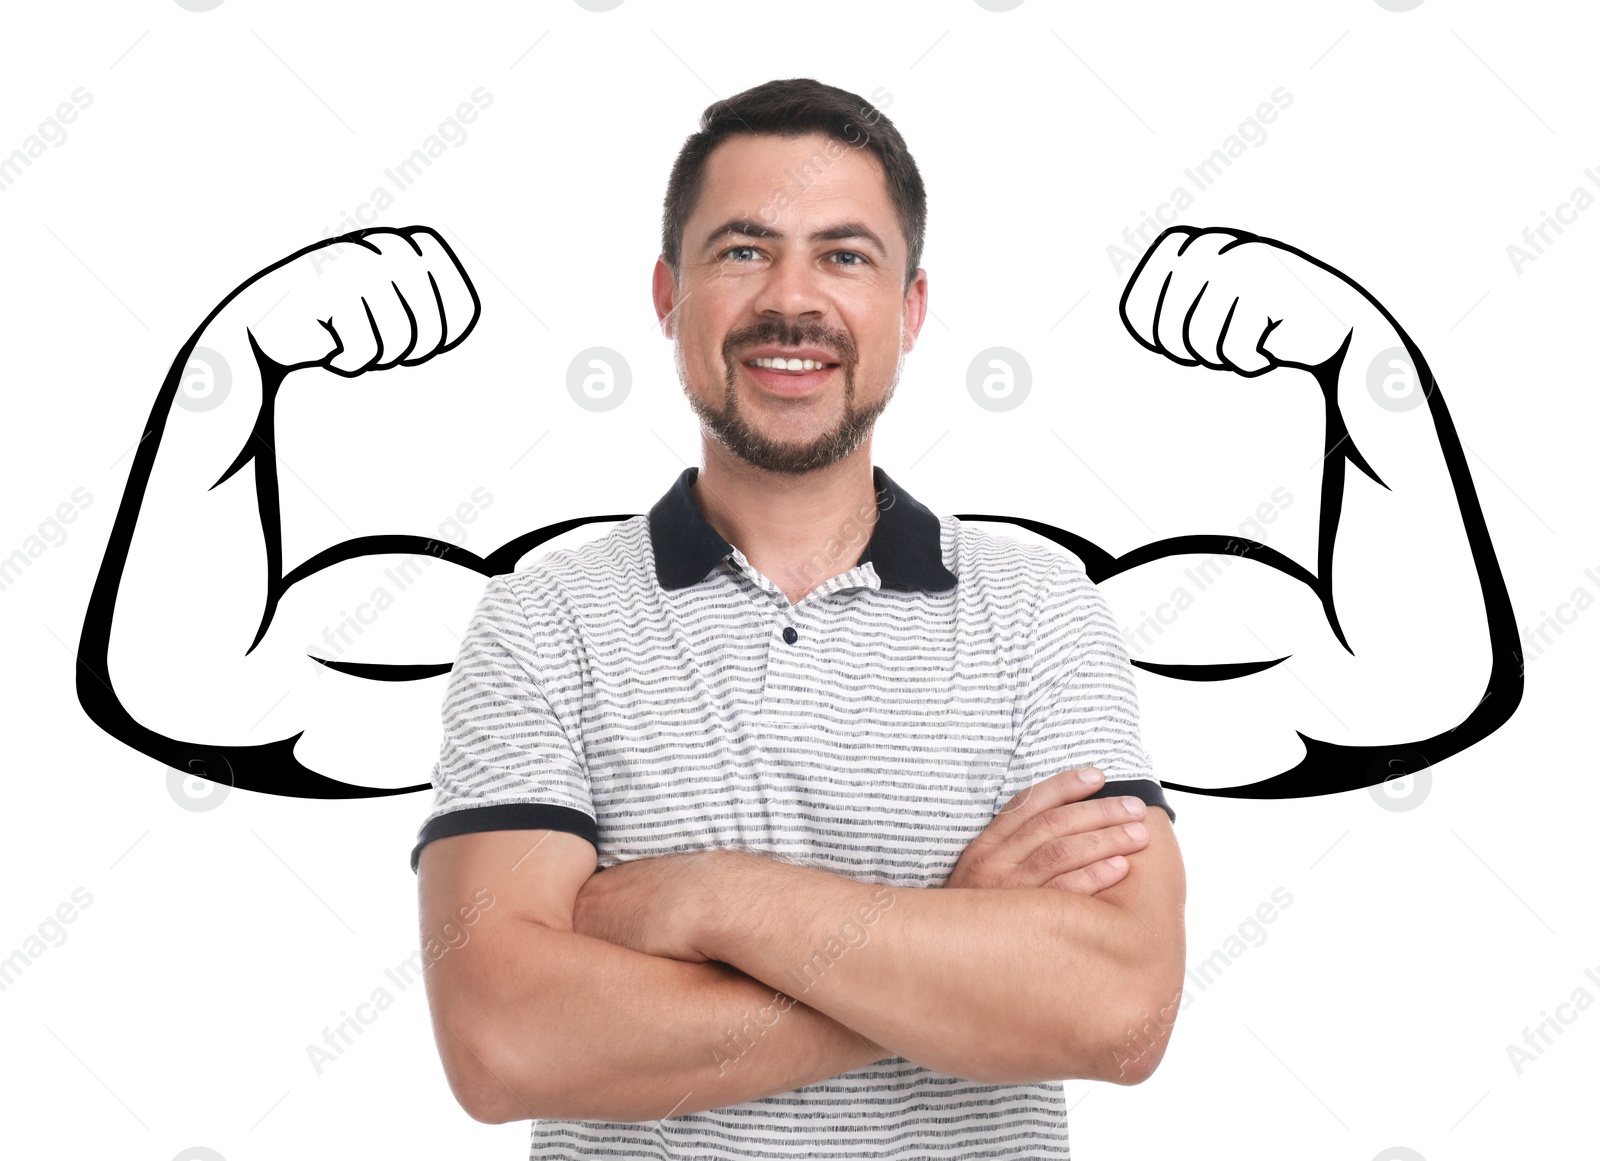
[{"x": 749, "y": 229}]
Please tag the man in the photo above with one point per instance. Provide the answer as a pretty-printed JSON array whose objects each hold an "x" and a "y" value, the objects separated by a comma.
[{"x": 778, "y": 740}]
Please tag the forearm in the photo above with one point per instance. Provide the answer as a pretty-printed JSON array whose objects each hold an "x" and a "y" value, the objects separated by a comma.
[
  {"x": 177, "y": 523},
  {"x": 206, "y": 422},
  {"x": 1004, "y": 986},
  {"x": 1395, "y": 423},
  {"x": 615, "y": 1035},
  {"x": 1384, "y": 404}
]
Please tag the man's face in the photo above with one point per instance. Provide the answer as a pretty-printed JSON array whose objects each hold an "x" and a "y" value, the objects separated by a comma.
[{"x": 767, "y": 283}]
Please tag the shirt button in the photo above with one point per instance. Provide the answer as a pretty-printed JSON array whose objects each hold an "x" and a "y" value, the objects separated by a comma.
[{"x": 790, "y": 635}]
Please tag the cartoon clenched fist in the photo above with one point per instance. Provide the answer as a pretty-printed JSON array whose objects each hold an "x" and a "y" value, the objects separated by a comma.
[
  {"x": 1236, "y": 302},
  {"x": 394, "y": 298}
]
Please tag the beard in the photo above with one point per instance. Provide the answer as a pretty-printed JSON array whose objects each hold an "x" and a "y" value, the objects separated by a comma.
[{"x": 730, "y": 426}]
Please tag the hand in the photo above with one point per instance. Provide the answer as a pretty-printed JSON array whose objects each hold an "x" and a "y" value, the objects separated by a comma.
[
  {"x": 364, "y": 301},
  {"x": 1047, "y": 837},
  {"x": 1235, "y": 302},
  {"x": 647, "y": 905}
]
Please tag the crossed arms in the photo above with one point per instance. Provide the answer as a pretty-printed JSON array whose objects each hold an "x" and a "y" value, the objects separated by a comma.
[{"x": 535, "y": 1018}]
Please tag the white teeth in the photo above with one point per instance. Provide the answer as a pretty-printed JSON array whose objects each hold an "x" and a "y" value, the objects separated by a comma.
[{"x": 789, "y": 364}]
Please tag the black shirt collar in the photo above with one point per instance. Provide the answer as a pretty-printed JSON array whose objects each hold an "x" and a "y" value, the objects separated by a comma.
[{"x": 904, "y": 548}]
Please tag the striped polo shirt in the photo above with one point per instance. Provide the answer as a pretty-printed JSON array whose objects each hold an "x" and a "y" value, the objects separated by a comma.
[{"x": 654, "y": 693}]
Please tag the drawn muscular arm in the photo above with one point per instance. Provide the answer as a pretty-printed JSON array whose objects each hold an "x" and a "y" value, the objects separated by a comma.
[
  {"x": 190, "y": 631},
  {"x": 1382, "y": 630}
]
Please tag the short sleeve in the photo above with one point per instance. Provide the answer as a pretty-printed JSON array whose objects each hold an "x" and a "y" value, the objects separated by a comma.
[
  {"x": 508, "y": 759},
  {"x": 1081, "y": 706}
]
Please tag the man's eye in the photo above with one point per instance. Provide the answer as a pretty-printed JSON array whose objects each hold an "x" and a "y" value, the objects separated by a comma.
[{"x": 732, "y": 250}]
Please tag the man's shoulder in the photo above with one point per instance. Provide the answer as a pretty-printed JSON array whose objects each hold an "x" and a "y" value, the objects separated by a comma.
[
  {"x": 981, "y": 553},
  {"x": 601, "y": 569}
]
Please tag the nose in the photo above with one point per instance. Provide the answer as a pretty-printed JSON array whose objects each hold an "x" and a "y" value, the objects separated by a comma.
[{"x": 792, "y": 289}]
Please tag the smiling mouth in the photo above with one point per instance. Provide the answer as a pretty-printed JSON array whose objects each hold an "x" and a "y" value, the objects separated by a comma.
[
  {"x": 780, "y": 380},
  {"x": 789, "y": 366}
]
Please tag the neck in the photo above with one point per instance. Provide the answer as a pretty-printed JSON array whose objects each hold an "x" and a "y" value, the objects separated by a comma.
[{"x": 796, "y": 530}]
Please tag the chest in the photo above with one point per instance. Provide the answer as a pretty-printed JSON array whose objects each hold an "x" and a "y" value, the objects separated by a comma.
[{"x": 864, "y": 734}]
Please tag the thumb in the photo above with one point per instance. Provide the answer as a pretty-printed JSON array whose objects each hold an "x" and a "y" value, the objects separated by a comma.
[{"x": 1304, "y": 340}]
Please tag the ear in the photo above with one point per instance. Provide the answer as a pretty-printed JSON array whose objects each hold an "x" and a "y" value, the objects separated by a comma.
[
  {"x": 664, "y": 294},
  {"x": 916, "y": 310}
]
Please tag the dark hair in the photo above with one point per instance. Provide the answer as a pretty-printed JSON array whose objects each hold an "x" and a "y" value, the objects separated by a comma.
[{"x": 794, "y": 108}]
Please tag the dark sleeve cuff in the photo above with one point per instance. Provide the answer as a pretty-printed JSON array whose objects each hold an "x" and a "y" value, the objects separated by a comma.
[
  {"x": 1147, "y": 789},
  {"x": 506, "y": 816}
]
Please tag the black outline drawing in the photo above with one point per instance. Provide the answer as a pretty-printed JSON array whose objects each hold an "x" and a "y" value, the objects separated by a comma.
[{"x": 1326, "y": 768}]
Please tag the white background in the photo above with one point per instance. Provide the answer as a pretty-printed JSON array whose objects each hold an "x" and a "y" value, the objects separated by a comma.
[{"x": 1375, "y": 1011}]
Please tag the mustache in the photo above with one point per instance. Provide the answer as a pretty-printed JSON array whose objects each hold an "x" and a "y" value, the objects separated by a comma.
[{"x": 777, "y": 335}]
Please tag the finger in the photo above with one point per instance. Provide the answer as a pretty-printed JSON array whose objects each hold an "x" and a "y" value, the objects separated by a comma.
[
  {"x": 1082, "y": 817},
  {"x": 1204, "y": 326},
  {"x": 1141, "y": 299},
  {"x": 1058, "y": 789},
  {"x": 455, "y": 297},
  {"x": 395, "y": 323},
  {"x": 1240, "y": 345},
  {"x": 1174, "y": 305},
  {"x": 1194, "y": 263},
  {"x": 1054, "y": 856},
  {"x": 418, "y": 294},
  {"x": 358, "y": 339},
  {"x": 407, "y": 269},
  {"x": 1094, "y": 878}
]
